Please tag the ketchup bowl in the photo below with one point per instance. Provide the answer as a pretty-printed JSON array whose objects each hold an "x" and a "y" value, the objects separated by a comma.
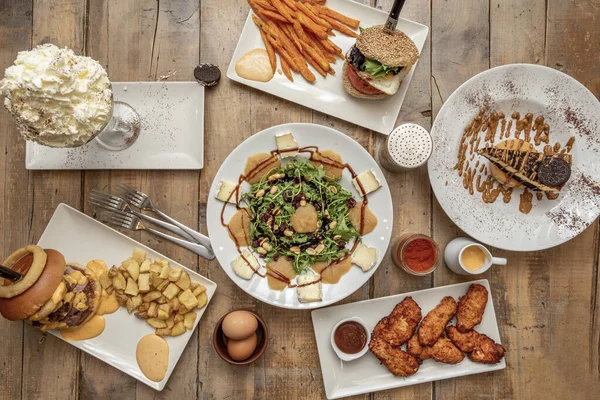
[{"x": 351, "y": 338}]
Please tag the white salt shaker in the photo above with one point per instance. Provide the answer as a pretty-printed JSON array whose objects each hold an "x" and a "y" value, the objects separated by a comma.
[{"x": 409, "y": 146}]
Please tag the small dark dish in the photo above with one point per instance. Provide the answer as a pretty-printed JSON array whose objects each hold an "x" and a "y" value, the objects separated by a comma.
[{"x": 220, "y": 340}]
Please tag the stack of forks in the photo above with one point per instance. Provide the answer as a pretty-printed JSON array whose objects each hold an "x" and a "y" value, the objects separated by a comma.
[{"x": 123, "y": 213}]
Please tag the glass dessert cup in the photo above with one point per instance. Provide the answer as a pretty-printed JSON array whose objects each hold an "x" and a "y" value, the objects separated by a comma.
[{"x": 120, "y": 131}]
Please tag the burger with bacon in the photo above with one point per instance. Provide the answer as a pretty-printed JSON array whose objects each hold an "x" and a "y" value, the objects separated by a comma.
[
  {"x": 52, "y": 294},
  {"x": 376, "y": 65}
]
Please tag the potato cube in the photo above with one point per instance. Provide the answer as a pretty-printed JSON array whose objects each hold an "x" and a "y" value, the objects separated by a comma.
[
  {"x": 137, "y": 300},
  {"x": 156, "y": 323},
  {"x": 170, "y": 322},
  {"x": 163, "y": 285},
  {"x": 178, "y": 329},
  {"x": 171, "y": 291},
  {"x": 153, "y": 310},
  {"x": 119, "y": 282},
  {"x": 151, "y": 296},
  {"x": 133, "y": 268},
  {"x": 199, "y": 289},
  {"x": 164, "y": 273},
  {"x": 155, "y": 279},
  {"x": 183, "y": 310},
  {"x": 202, "y": 300},
  {"x": 189, "y": 320},
  {"x": 175, "y": 304},
  {"x": 188, "y": 299},
  {"x": 175, "y": 274},
  {"x": 178, "y": 318},
  {"x": 144, "y": 307},
  {"x": 162, "y": 314},
  {"x": 139, "y": 255},
  {"x": 156, "y": 268},
  {"x": 184, "y": 281},
  {"x": 110, "y": 289},
  {"x": 141, "y": 314},
  {"x": 162, "y": 300},
  {"x": 105, "y": 281},
  {"x": 165, "y": 307},
  {"x": 164, "y": 263},
  {"x": 132, "y": 287},
  {"x": 129, "y": 305},
  {"x": 144, "y": 283},
  {"x": 145, "y": 266},
  {"x": 163, "y": 332}
]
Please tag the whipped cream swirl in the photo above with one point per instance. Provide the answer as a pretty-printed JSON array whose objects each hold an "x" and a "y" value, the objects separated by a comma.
[{"x": 58, "y": 99}]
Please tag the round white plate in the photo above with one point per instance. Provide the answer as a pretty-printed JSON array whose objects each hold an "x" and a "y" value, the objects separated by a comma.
[
  {"x": 570, "y": 110},
  {"x": 380, "y": 202}
]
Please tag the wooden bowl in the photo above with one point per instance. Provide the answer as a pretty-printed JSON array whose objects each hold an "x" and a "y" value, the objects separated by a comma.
[{"x": 220, "y": 340}]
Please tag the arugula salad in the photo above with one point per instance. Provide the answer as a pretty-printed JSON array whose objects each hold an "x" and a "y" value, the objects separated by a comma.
[{"x": 297, "y": 195}]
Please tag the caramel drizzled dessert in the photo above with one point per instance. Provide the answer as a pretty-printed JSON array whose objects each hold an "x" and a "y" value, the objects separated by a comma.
[{"x": 514, "y": 161}]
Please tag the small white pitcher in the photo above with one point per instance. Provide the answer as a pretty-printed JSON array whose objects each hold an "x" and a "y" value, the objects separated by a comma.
[{"x": 453, "y": 257}]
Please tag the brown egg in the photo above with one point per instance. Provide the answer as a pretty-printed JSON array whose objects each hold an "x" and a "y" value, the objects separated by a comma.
[
  {"x": 240, "y": 350},
  {"x": 239, "y": 325}
]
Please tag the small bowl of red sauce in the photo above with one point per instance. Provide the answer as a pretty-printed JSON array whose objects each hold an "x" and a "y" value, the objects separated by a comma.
[
  {"x": 350, "y": 338},
  {"x": 416, "y": 254}
]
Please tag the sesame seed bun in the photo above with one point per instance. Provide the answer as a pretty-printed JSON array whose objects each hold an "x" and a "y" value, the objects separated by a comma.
[
  {"x": 352, "y": 91},
  {"x": 395, "y": 49}
]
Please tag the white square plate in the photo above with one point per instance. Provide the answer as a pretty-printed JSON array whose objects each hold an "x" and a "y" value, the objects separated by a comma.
[
  {"x": 81, "y": 239},
  {"x": 366, "y": 374},
  {"x": 172, "y": 136},
  {"x": 327, "y": 95}
]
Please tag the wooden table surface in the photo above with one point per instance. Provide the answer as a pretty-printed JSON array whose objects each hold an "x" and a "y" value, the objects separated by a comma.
[{"x": 546, "y": 302}]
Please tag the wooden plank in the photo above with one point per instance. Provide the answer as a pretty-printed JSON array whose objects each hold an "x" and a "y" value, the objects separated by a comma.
[
  {"x": 51, "y": 365},
  {"x": 411, "y": 192},
  {"x": 140, "y": 42},
  {"x": 228, "y": 121},
  {"x": 15, "y": 35}
]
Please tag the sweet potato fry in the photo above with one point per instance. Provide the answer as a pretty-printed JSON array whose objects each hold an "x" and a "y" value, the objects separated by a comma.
[
  {"x": 336, "y": 49},
  {"x": 339, "y": 27},
  {"x": 291, "y": 4},
  {"x": 315, "y": 65},
  {"x": 318, "y": 46},
  {"x": 272, "y": 15},
  {"x": 262, "y": 3},
  {"x": 289, "y": 29},
  {"x": 283, "y": 53},
  {"x": 311, "y": 26},
  {"x": 286, "y": 69},
  {"x": 310, "y": 14},
  {"x": 283, "y": 10},
  {"x": 299, "y": 31},
  {"x": 270, "y": 50},
  {"x": 352, "y": 23},
  {"x": 314, "y": 54}
]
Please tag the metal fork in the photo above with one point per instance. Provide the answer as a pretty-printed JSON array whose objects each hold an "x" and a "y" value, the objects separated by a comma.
[
  {"x": 143, "y": 202},
  {"x": 116, "y": 204},
  {"x": 129, "y": 221}
]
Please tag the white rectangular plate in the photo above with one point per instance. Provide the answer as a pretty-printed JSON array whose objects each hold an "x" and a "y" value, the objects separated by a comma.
[
  {"x": 81, "y": 239},
  {"x": 327, "y": 95},
  {"x": 172, "y": 135},
  {"x": 366, "y": 374}
]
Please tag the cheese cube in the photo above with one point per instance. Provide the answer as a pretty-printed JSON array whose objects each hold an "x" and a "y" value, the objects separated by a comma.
[
  {"x": 369, "y": 182},
  {"x": 241, "y": 267},
  {"x": 225, "y": 191},
  {"x": 309, "y": 288},
  {"x": 365, "y": 257},
  {"x": 287, "y": 145}
]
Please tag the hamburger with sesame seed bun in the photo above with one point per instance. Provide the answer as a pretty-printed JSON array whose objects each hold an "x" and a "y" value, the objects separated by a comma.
[{"x": 376, "y": 65}]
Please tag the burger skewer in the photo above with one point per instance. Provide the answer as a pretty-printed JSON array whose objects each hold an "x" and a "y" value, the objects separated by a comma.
[
  {"x": 7, "y": 273},
  {"x": 392, "y": 20}
]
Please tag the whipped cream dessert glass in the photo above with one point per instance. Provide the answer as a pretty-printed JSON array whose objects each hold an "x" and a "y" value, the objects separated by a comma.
[{"x": 59, "y": 99}]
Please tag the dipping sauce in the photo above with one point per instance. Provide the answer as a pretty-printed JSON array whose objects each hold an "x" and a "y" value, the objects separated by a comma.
[
  {"x": 94, "y": 327},
  {"x": 350, "y": 337},
  {"x": 255, "y": 66},
  {"x": 416, "y": 254},
  {"x": 152, "y": 356},
  {"x": 108, "y": 303},
  {"x": 472, "y": 258}
]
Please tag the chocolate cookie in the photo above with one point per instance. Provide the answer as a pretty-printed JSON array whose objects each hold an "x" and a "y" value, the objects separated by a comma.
[{"x": 207, "y": 74}]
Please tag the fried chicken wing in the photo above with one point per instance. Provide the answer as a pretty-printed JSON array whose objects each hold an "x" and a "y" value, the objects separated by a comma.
[
  {"x": 480, "y": 347},
  {"x": 471, "y": 307},
  {"x": 397, "y": 328},
  {"x": 398, "y": 362},
  {"x": 443, "y": 351},
  {"x": 433, "y": 325}
]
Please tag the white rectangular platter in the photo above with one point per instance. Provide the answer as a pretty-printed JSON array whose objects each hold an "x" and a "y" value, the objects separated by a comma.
[
  {"x": 366, "y": 374},
  {"x": 80, "y": 239},
  {"x": 171, "y": 137},
  {"x": 327, "y": 95}
]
